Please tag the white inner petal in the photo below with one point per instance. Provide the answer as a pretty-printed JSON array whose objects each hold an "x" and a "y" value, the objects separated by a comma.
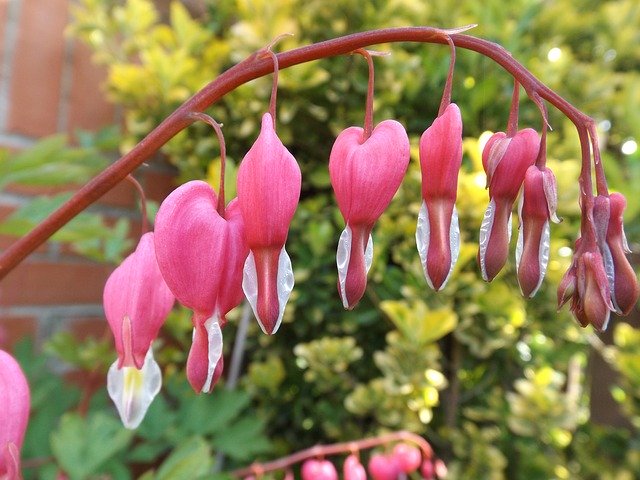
[
  {"x": 454, "y": 244},
  {"x": 485, "y": 234},
  {"x": 285, "y": 281},
  {"x": 133, "y": 390},
  {"x": 343, "y": 254},
  {"x": 607, "y": 259},
  {"x": 368, "y": 254},
  {"x": 543, "y": 254},
  {"x": 423, "y": 232},
  {"x": 214, "y": 339},
  {"x": 250, "y": 282},
  {"x": 285, "y": 284}
]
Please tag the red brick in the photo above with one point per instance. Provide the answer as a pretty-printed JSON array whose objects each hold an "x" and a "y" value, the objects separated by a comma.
[
  {"x": 123, "y": 194},
  {"x": 88, "y": 109},
  {"x": 4, "y": 10},
  {"x": 157, "y": 185},
  {"x": 85, "y": 328},
  {"x": 13, "y": 329},
  {"x": 37, "y": 67},
  {"x": 48, "y": 283}
]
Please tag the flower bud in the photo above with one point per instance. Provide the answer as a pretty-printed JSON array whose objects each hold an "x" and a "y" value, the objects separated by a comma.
[
  {"x": 353, "y": 469},
  {"x": 438, "y": 233},
  {"x": 505, "y": 160},
  {"x": 383, "y": 467},
  {"x": 269, "y": 183},
  {"x": 318, "y": 470},
  {"x": 14, "y": 415},
  {"x": 365, "y": 175}
]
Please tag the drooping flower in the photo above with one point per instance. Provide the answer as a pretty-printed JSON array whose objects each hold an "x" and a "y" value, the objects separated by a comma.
[
  {"x": 353, "y": 469},
  {"x": 408, "y": 457},
  {"x": 537, "y": 206},
  {"x": 365, "y": 175},
  {"x": 438, "y": 233},
  {"x": 384, "y": 467},
  {"x": 505, "y": 160},
  {"x": 269, "y": 183},
  {"x": 15, "y": 400},
  {"x": 612, "y": 242},
  {"x": 201, "y": 254},
  {"x": 318, "y": 470},
  {"x": 136, "y": 303}
]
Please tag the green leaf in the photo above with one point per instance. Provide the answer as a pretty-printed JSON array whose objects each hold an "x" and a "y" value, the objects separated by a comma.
[
  {"x": 83, "y": 445},
  {"x": 243, "y": 440},
  {"x": 219, "y": 409},
  {"x": 191, "y": 460}
]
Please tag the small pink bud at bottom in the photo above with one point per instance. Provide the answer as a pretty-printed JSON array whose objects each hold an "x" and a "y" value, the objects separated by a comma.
[
  {"x": 625, "y": 289},
  {"x": 353, "y": 469},
  {"x": 407, "y": 457},
  {"x": 353, "y": 259},
  {"x": 427, "y": 469},
  {"x": 495, "y": 234},
  {"x": 438, "y": 241},
  {"x": 318, "y": 470},
  {"x": 205, "y": 353},
  {"x": 595, "y": 303},
  {"x": 267, "y": 283},
  {"x": 383, "y": 467}
]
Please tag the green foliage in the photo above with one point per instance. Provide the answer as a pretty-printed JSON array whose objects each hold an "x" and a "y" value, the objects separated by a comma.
[{"x": 497, "y": 384}]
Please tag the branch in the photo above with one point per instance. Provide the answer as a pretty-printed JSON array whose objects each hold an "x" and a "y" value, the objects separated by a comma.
[
  {"x": 249, "y": 69},
  {"x": 319, "y": 451}
]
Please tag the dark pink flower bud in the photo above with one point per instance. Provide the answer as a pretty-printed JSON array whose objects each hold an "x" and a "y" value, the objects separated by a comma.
[
  {"x": 14, "y": 415},
  {"x": 201, "y": 255},
  {"x": 383, "y": 467},
  {"x": 407, "y": 457},
  {"x": 537, "y": 207},
  {"x": 438, "y": 233},
  {"x": 593, "y": 303},
  {"x": 427, "y": 470},
  {"x": 622, "y": 278},
  {"x": 136, "y": 303},
  {"x": 353, "y": 469},
  {"x": 365, "y": 175},
  {"x": 269, "y": 182},
  {"x": 505, "y": 160},
  {"x": 318, "y": 470}
]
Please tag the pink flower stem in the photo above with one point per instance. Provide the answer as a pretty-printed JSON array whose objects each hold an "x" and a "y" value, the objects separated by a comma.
[
  {"x": 446, "y": 94},
  {"x": 257, "y": 66},
  {"x": 321, "y": 451},
  {"x": 541, "y": 160},
  {"x": 601, "y": 179},
  {"x": 368, "y": 112},
  {"x": 223, "y": 156},
  {"x": 143, "y": 204},
  {"x": 512, "y": 126}
]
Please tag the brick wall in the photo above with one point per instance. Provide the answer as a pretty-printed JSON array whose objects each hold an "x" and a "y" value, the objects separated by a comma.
[{"x": 48, "y": 85}]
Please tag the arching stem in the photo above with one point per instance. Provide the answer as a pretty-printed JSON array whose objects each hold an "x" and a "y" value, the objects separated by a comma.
[
  {"x": 143, "y": 204},
  {"x": 223, "y": 156},
  {"x": 446, "y": 94},
  {"x": 512, "y": 126},
  {"x": 368, "y": 111}
]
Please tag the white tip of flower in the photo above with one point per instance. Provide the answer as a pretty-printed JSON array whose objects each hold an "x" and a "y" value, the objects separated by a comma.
[
  {"x": 133, "y": 390},
  {"x": 214, "y": 338},
  {"x": 423, "y": 233},
  {"x": 285, "y": 282},
  {"x": 343, "y": 255},
  {"x": 485, "y": 234}
]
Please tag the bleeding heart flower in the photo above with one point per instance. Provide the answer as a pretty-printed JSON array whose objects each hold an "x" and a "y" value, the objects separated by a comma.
[
  {"x": 269, "y": 183},
  {"x": 407, "y": 457},
  {"x": 438, "y": 233},
  {"x": 383, "y": 467},
  {"x": 353, "y": 469},
  {"x": 318, "y": 470},
  {"x": 612, "y": 242},
  {"x": 201, "y": 255},
  {"x": 14, "y": 415},
  {"x": 537, "y": 206},
  {"x": 365, "y": 175},
  {"x": 136, "y": 303},
  {"x": 505, "y": 160}
]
